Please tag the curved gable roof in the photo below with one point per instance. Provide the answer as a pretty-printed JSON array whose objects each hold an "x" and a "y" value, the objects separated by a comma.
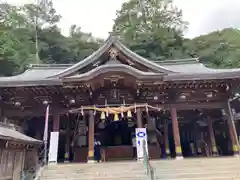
[
  {"x": 111, "y": 41},
  {"x": 114, "y": 68}
]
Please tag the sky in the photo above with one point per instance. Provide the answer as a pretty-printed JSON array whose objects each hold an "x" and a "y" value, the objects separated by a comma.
[{"x": 96, "y": 16}]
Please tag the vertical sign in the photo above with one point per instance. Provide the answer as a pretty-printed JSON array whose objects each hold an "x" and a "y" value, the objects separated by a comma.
[
  {"x": 141, "y": 135},
  {"x": 53, "y": 148}
]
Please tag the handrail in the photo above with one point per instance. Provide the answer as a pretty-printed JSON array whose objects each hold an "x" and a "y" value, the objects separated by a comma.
[{"x": 149, "y": 168}]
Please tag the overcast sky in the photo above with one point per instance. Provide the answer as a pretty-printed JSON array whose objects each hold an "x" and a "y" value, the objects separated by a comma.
[{"x": 96, "y": 16}]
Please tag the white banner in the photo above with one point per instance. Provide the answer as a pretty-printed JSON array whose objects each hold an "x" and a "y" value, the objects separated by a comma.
[
  {"x": 141, "y": 135},
  {"x": 53, "y": 148}
]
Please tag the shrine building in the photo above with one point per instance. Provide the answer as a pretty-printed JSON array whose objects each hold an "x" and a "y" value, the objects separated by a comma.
[{"x": 186, "y": 107}]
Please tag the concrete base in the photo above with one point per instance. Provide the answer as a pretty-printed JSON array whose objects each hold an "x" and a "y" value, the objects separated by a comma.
[
  {"x": 90, "y": 161},
  {"x": 52, "y": 163},
  {"x": 179, "y": 158},
  {"x": 237, "y": 155}
]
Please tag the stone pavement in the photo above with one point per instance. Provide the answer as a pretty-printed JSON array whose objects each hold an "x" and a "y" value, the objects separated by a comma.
[{"x": 220, "y": 168}]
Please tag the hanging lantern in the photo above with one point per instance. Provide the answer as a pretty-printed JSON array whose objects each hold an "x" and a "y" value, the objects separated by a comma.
[
  {"x": 129, "y": 114},
  {"x": 116, "y": 118},
  {"x": 103, "y": 117}
]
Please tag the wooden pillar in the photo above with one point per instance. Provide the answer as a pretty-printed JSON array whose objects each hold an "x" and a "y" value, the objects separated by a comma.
[
  {"x": 212, "y": 137},
  {"x": 232, "y": 130},
  {"x": 199, "y": 141},
  {"x": 67, "y": 138},
  {"x": 56, "y": 123},
  {"x": 233, "y": 138},
  {"x": 176, "y": 134},
  {"x": 166, "y": 139},
  {"x": 139, "y": 119},
  {"x": 91, "y": 138}
]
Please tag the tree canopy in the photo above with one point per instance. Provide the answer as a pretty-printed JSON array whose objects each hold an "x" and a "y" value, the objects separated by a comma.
[
  {"x": 18, "y": 27},
  {"x": 219, "y": 49},
  {"x": 152, "y": 28}
]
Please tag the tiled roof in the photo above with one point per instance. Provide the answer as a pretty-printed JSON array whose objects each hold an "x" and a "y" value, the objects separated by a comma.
[
  {"x": 8, "y": 133},
  {"x": 168, "y": 70}
]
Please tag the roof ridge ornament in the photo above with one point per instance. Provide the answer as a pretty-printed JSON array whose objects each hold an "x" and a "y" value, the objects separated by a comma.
[{"x": 113, "y": 52}]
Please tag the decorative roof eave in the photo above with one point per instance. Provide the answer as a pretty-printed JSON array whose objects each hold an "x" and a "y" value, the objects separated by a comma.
[
  {"x": 203, "y": 76},
  {"x": 111, "y": 41},
  {"x": 45, "y": 82},
  {"x": 114, "y": 68}
]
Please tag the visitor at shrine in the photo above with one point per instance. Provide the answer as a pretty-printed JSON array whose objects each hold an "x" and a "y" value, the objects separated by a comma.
[
  {"x": 97, "y": 150},
  {"x": 134, "y": 147}
]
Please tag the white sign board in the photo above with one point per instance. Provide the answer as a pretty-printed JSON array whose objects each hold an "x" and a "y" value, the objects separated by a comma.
[
  {"x": 141, "y": 136},
  {"x": 53, "y": 148}
]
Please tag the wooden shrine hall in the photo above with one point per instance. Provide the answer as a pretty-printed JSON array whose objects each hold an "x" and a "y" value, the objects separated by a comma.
[{"x": 185, "y": 106}]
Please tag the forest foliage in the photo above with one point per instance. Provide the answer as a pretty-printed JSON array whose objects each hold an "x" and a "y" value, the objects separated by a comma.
[{"x": 153, "y": 28}]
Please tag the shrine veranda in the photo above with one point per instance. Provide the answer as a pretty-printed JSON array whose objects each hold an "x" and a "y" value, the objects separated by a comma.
[{"x": 186, "y": 107}]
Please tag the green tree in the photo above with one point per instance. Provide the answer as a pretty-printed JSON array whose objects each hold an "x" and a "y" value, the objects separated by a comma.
[
  {"x": 152, "y": 28},
  {"x": 219, "y": 49},
  {"x": 41, "y": 15}
]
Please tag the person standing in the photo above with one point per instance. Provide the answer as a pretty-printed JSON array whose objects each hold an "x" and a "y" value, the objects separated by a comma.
[
  {"x": 97, "y": 150},
  {"x": 134, "y": 147}
]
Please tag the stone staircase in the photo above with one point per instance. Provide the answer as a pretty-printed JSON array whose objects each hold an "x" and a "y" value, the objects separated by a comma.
[
  {"x": 187, "y": 169},
  {"x": 218, "y": 168},
  {"x": 131, "y": 170}
]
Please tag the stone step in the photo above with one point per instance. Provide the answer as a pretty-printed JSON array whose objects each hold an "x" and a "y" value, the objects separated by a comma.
[
  {"x": 162, "y": 170},
  {"x": 186, "y": 169},
  {"x": 102, "y": 178},
  {"x": 102, "y": 174},
  {"x": 199, "y": 171},
  {"x": 204, "y": 178},
  {"x": 191, "y": 174},
  {"x": 192, "y": 160}
]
